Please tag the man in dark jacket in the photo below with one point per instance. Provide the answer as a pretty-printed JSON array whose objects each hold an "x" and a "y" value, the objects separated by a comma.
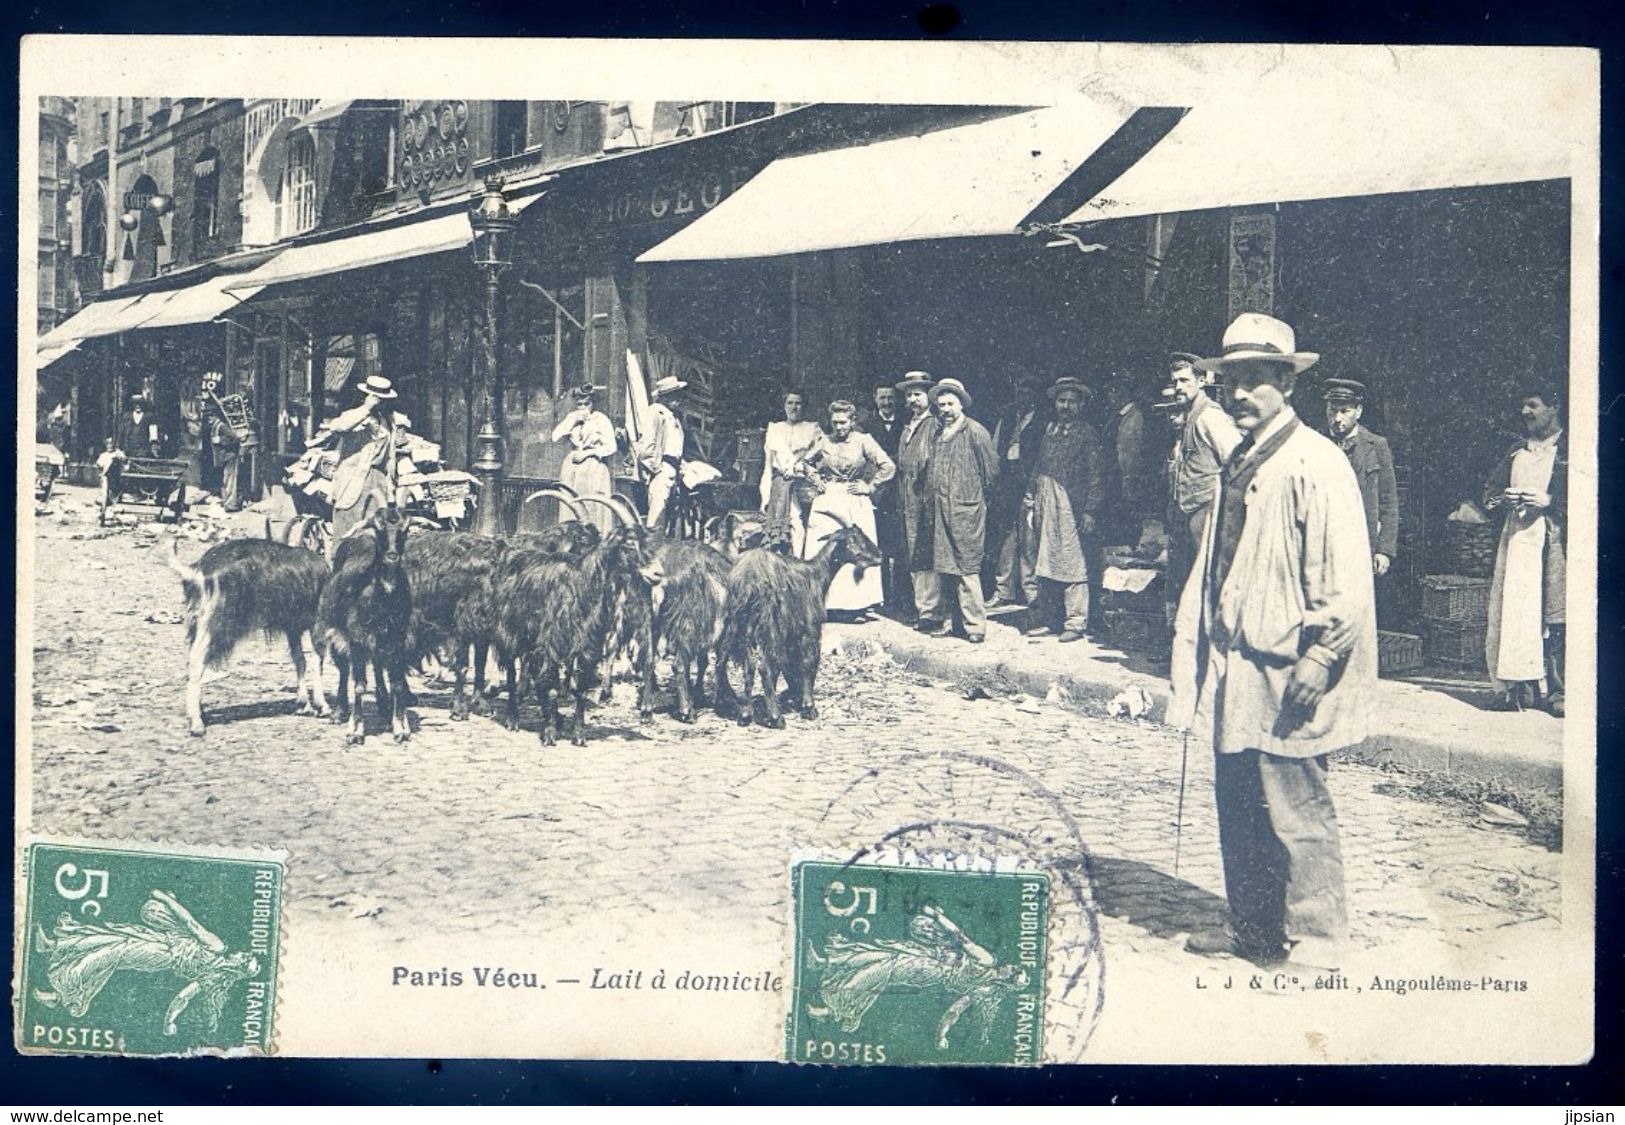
[
  {"x": 139, "y": 434},
  {"x": 1373, "y": 467},
  {"x": 1010, "y": 535},
  {"x": 885, "y": 425},
  {"x": 1063, "y": 501}
]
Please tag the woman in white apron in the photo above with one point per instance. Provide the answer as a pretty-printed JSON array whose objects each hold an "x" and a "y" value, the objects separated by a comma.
[
  {"x": 1525, "y": 603},
  {"x": 849, "y": 464}
]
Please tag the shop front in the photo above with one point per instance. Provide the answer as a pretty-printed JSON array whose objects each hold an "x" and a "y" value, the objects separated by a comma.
[
  {"x": 581, "y": 307},
  {"x": 1434, "y": 274}
]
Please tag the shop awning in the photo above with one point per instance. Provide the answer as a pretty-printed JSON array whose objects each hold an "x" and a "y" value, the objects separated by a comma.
[
  {"x": 50, "y": 353},
  {"x": 168, "y": 308},
  {"x": 1329, "y": 141},
  {"x": 368, "y": 248},
  {"x": 199, "y": 304},
  {"x": 357, "y": 251},
  {"x": 981, "y": 179},
  {"x": 103, "y": 318}
]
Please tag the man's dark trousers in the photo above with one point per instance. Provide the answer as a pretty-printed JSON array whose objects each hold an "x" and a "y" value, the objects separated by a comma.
[{"x": 1283, "y": 865}]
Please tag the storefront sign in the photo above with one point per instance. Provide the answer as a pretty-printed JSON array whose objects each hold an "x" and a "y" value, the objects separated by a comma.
[
  {"x": 689, "y": 196},
  {"x": 1252, "y": 264}
]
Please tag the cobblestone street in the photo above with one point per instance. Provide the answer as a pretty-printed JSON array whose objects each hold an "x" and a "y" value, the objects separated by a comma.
[{"x": 470, "y": 828}]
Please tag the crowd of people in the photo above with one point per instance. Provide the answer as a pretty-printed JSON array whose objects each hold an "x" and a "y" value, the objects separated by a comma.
[{"x": 1275, "y": 537}]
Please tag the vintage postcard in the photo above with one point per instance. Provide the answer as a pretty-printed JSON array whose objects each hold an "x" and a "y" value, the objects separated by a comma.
[{"x": 845, "y": 554}]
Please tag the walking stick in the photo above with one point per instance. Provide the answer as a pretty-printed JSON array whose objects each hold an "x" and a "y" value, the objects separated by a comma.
[{"x": 1179, "y": 815}]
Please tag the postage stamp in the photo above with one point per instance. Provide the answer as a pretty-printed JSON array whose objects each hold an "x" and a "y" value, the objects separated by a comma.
[
  {"x": 160, "y": 950},
  {"x": 904, "y": 966}
]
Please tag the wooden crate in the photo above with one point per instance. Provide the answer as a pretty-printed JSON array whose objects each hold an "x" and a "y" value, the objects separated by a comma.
[{"x": 1398, "y": 652}]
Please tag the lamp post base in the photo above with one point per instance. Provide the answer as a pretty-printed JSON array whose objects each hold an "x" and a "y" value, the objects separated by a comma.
[{"x": 487, "y": 467}]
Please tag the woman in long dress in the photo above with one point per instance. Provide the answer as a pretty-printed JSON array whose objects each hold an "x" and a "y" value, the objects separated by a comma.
[
  {"x": 84, "y": 956},
  {"x": 592, "y": 446},
  {"x": 849, "y": 465},
  {"x": 787, "y": 492},
  {"x": 367, "y": 439}
]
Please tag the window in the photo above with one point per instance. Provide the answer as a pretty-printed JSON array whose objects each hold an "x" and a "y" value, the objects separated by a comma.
[
  {"x": 94, "y": 211},
  {"x": 48, "y": 158},
  {"x": 47, "y": 284},
  {"x": 47, "y": 213},
  {"x": 205, "y": 197},
  {"x": 106, "y": 126},
  {"x": 510, "y": 131},
  {"x": 296, "y": 198}
]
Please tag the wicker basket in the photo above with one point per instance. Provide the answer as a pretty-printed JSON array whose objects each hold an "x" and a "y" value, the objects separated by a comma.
[
  {"x": 1456, "y": 642},
  {"x": 1455, "y": 597},
  {"x": 1470, "y": 548},
  {"x": 1398, "y": 652}
]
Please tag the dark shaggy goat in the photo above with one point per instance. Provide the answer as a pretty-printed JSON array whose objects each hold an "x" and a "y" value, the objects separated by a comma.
[
  {"x": 567, "y": 540},
  {"x": 365, "y": 618},
  {"x": 242, "y": 586},
  {"x": 558, "y": 614},
  {"x": 775, "y": 620},
  {"x": 450, "y": 574},
  {"x": 687, "y": 619}
]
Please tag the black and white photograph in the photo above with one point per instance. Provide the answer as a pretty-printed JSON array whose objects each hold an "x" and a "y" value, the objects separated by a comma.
[{"x": 552, "y": 498}]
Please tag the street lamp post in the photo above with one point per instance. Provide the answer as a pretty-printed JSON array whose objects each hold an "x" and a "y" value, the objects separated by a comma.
[{"x": 493, "y": 227}]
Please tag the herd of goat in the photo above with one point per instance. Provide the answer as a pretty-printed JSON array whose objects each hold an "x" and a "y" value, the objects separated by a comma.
[{"x": 556, "y": 609}]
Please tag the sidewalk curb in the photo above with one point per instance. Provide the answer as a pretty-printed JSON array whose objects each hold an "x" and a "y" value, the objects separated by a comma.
[{"x": 1383, "y": 748}]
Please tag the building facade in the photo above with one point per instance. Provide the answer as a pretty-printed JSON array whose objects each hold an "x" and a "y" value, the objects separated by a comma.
[
  {"x": 299, "y": 246},
  {"x": 56, "y": 177}
]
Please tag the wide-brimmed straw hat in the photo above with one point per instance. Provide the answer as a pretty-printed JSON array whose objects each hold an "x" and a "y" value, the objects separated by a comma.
[
  {"x": 666, "y": 385},
  {"x": 953, "y": 386},
  {"x": 378, "y": 387},
  {"x": 915, "y": 380},
  {"x": 1069, "y": 383},
  {"x": 1260, "y": 338}
]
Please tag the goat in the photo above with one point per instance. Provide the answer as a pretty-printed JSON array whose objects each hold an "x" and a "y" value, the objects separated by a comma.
[
  {"x": 557, "y": 614},
  {"x": 240, "y": 586},
  {"x": 775, "y": 620},
  {"x": 734, "y": 533},
  {"x": 450, "y": 575},
  {"x": 365, "y": 617},
  {"x": 690, "y": 614},
  {"x": 686, "y": 615}
]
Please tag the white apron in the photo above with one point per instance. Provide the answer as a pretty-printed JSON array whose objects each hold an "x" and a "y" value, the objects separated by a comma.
[
  {"x": 847, "y": 592},
  {"x": 1512, "y": 642}
]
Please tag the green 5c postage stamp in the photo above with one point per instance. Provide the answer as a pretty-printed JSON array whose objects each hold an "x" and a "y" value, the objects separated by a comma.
[
  {"x": 132, "y": 950},
  {"x": 918, "y": 967}
]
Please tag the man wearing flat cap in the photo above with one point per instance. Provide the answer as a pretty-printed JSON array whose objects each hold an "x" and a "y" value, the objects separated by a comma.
[
  {"x": 961, "y": 470},
  {"x": 1063, "y": 499},
  {"x": 1373, "y": 467},
  {"x": 1204, "y": 441},
  {"x": 1275, "y": 652}
]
